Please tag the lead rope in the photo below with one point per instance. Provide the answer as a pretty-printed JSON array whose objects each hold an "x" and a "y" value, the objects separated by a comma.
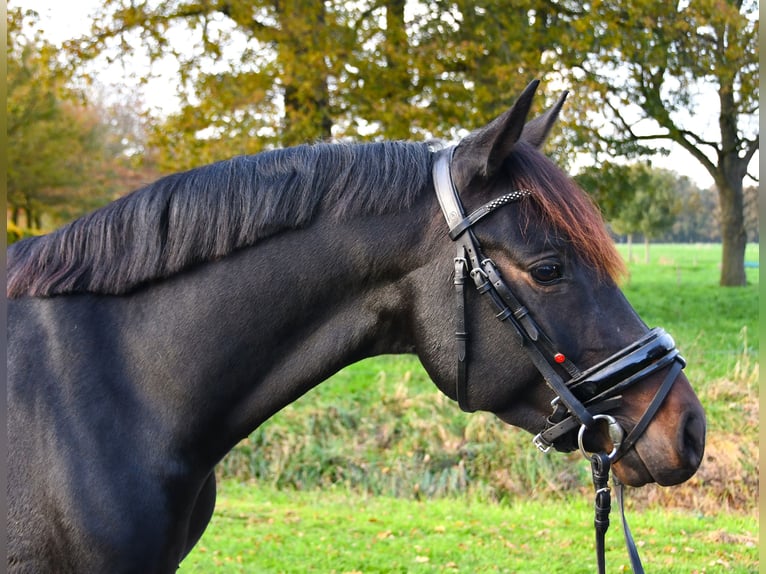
[
  {"x": 635, "y": 559},
  {"x": 601, "y": 464}
]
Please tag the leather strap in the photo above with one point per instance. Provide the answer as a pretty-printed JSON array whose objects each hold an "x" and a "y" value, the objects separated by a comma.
[
  {"x": 635, "y": 559},
  {"x": 459, "y": 228},
  {"x": 513, "y": 311},
  {"x": 488, "y": 281},
  {"x": 461, "y": 335},
  {"x": 653, "y": 407},
  {"x": 600, "y": 466},
  {"x": 445, "y": 188},
  {"x": 546, "y": 439},
  {"x": 656, "y": 343}
]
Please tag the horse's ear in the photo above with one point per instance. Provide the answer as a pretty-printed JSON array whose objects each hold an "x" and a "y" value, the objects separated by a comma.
[
  {"x": 536, "y": 131},
  {"x": 482, "y": 152}
]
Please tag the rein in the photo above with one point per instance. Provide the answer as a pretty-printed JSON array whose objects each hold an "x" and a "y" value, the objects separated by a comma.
[{"x": 581, "y": 401}]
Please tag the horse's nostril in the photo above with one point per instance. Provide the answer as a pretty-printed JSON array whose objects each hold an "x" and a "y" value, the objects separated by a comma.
[{"x": 692, "y": 439}]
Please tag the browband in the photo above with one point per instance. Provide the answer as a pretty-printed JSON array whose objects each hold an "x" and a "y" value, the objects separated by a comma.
[{"x": 449, "y": 202}]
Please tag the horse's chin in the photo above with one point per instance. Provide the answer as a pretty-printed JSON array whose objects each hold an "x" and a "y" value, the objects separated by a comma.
[{"x": 632, "y": 470}]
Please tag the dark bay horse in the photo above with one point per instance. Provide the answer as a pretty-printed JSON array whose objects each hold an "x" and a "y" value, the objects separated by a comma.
[{"x": 147, "y": 338}]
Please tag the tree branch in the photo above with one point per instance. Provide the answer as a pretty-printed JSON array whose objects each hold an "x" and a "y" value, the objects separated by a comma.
[
  {"x": 655, "y": 109},
  {"x": 751, "y": 149},
  {"x": 697, "y": 139}
]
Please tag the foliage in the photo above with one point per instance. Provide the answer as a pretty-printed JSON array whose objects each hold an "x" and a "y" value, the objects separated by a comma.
[
  {"x": 259, "y": 74},
  {"x": 700, "y": 216},
  {"x": 643, "y": 63},
  {"x": 66, "y": 154},
  {"x": 254, "y": 75},
  {"x": 634, "y": 198},
  {"x": 695, "y": 212},
  {"x": 15, "y": 233},
  {"x": 49, "y": 133}
]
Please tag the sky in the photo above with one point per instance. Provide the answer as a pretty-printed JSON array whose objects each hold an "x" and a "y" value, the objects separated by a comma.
[{"x": 63, "y": 20}]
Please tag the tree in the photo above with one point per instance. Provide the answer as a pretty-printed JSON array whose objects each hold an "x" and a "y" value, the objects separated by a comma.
[
  {"x": 751, "y": 213},
  {"x": 66, "y": 155},
  {"x": 699, "y": 218},
  {"x": 258, "y": 74},
  {"x": 643, "y": 63},
  {"x": 634, "y": 198},
  {"x": 50, "y": 134},
  {"x": 249, "y": 73},
  {"x": 265, "y": 73}
]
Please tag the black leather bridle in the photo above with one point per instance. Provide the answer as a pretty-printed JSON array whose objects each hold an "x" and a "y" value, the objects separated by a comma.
[{"x": 586, "y": 397}]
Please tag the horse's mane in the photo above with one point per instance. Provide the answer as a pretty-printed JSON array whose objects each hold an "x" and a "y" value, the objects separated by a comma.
[{"x": 208, "y": 212}]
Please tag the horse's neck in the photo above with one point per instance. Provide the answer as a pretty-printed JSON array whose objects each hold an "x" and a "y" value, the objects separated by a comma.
[{"x": 243, "y": 337}]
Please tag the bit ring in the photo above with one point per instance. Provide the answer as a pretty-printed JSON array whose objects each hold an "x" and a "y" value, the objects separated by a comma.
[{"x": 616, "y": 433}]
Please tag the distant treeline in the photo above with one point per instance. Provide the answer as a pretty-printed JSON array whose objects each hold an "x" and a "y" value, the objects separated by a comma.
[{"x": 698, "y": 220}]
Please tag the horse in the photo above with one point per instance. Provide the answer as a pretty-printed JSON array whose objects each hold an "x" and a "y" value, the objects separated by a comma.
[{"x": 147, "y": 338}]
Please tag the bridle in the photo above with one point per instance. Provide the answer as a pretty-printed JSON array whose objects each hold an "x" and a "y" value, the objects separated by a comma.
[{"x": 586, "y": 397}]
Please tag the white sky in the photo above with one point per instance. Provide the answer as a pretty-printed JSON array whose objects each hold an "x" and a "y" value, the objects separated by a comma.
[{"x": 62, "y": 20}]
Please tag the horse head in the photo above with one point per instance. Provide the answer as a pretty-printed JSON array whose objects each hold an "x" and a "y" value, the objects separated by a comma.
[{"x": 569, "y": 360}]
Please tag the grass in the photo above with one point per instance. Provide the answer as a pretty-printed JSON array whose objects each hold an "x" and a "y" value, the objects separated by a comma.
[
  {"x": 264, "y": 530},
  {"x": 376, "y": 471},
  {"x": 679, "y": 290},
  {"x": 717, "y": 331}
]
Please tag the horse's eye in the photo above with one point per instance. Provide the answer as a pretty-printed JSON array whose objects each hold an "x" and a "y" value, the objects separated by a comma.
[{"x": 546, "y": 273}]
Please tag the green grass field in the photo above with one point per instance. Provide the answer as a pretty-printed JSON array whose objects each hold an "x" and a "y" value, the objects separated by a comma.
[
  {"x": 376, "y": 471},
  {"x": 263, "y": 530}
]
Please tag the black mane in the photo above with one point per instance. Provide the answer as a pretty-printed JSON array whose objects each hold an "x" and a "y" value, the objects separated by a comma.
[{"x": 206, "y": 213}]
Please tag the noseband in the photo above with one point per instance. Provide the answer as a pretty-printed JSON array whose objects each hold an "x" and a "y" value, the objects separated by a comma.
[{"x": 581, "y": 401}]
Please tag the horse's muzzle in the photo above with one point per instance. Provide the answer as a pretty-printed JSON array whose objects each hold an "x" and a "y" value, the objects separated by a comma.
[{"x": 672, "y": 448}]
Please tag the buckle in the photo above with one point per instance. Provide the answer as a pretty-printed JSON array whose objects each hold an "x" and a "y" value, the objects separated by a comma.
[
  {"x": 542, "y": 445},
  {"x": 461, "y": 262}
]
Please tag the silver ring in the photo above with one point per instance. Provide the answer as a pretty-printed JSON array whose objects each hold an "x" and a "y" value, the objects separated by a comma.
[{"x": 615, "y": 435}]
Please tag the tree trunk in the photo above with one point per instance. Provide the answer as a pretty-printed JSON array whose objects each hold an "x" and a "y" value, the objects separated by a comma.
[
  {"x": 646, "y": 250},
  {"x": 30, "y": 213},
  {"x": 630, "y": 248},
  {"x": 397, "y": 81},
  {"x": 733, "y": 234},
  {"x": 302, "y": 49},
  {"x": 728, "y": 178}
]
